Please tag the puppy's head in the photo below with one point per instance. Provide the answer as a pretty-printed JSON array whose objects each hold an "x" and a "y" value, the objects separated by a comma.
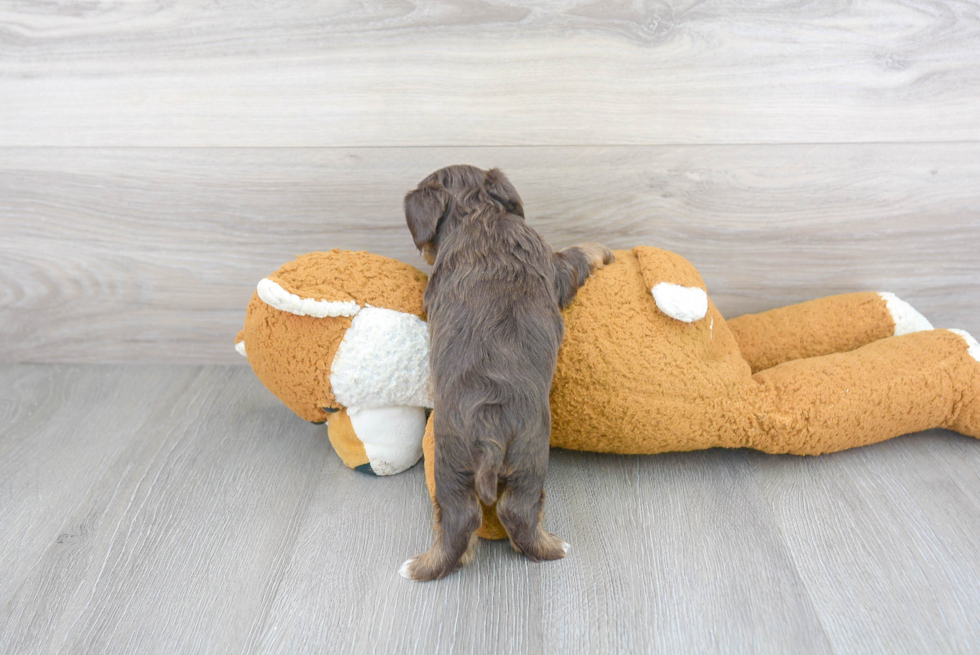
[{"x": 450, "y": 195}]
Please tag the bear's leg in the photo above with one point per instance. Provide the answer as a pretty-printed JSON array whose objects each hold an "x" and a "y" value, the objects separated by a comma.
[
  {"x": 834, "y": 324},
  {"x": 882, "y": 390},
  {"x": 966, "y": 415}
]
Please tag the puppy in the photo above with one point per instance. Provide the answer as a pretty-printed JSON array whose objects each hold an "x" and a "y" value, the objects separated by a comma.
[{"x": 494, "y": 303}]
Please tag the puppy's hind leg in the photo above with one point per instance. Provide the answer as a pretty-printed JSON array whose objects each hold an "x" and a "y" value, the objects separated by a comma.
[
  {"x": 457, "y": 517},
  {"x": 521, "y": 505}
]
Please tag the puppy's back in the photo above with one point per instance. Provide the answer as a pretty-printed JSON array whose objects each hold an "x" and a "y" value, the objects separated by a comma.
[{"x": 493, "y": 312}]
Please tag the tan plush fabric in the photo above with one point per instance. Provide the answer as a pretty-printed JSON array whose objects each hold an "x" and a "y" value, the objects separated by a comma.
[
  {"x": 366, "y": 279},
  {"x": 658, "y": 266},
  {"x": 812, "y": 378},
  {"x": 292, "y": 354},
  {"x": 631, "y": 379},
  {"x": 344, "y": 440},
  {"x": 834, "y": 324},
  {"x": 884, "y": 389}
]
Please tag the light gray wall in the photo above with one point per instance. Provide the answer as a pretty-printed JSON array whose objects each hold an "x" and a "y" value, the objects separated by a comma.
[{"x": 156, "y": 162}]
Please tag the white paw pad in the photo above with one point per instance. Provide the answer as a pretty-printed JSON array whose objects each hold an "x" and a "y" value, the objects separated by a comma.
[
  {"x": 565, "y": 546},
  {"x": 972, "y": 346},
  {"x": 905, "y": 316}
]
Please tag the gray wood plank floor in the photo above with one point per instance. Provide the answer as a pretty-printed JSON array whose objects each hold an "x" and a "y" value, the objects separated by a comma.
[{"x": 162, "y": 509}]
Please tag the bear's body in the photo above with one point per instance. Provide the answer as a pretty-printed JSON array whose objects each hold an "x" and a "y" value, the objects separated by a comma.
[
  {"x": 830, "y": 373},
  {"x": 648, "y": 364}
]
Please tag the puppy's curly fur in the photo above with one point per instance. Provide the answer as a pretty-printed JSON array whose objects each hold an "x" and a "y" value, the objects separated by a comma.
[{"x": 494, "y": 305}]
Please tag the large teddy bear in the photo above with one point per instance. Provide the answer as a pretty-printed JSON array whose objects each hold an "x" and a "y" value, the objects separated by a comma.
[{"x": 648, "y": 364}]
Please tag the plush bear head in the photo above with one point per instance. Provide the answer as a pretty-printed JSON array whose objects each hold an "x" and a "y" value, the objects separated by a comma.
[{"x": 340, "y": 337}]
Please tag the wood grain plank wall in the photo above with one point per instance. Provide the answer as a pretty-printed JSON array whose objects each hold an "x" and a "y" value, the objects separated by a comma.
[
  {"x": 153, "y": 253},
  {"x": 156, "y": 160},
  {"x": 494, "y": 72}
]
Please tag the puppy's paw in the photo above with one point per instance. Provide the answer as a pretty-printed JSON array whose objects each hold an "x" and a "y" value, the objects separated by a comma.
[
  {"x": 427, "y": 566},
  {"x": 546, "y": 547},
  {"x": 555, "y": 548},
  {"x": 597, "y": 254},
  {"x": 405, "y": 570}
]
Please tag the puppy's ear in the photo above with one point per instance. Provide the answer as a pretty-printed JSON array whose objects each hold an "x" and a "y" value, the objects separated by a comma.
[
  {"x": 501, "y": 190},
  {"x": 423, "y": 209}
]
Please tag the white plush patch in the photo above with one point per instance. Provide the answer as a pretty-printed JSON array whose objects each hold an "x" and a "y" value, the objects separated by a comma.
[
  {"x": 687, "y": 304},
  {"x": 907, "y": 319},
  {"x": 383, "y": 361},
  {"x": 972, "y": 346},
  {"x": 392, "y": 436},
  {"x": 240, "y": 347},
  {"x": 275, "y": 296}
]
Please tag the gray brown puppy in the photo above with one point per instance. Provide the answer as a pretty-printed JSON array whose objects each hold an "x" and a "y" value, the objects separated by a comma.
[{"x": 494, "y": 303}]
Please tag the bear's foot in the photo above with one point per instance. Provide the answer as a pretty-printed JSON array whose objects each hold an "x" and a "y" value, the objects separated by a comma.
[{"x": 967, "y": 411}]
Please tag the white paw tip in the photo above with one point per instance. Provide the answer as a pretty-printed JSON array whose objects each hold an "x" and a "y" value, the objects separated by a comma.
[
  {"x": 687, "y": 304},
  {"x": 907, "y": 319},
  {"x": 240, "y": 347},
  {"x": 972, "y": 346},
  {"x": 403, "y": 570},
  {"x": 565, "y": 546}
]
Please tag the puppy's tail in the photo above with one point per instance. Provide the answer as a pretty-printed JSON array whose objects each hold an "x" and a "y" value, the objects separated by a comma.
[{"x": 488, "y": 465}]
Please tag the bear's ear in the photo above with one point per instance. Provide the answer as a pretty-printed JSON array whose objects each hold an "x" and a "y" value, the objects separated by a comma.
[
  {"x": 424, "y": 207},
  {"x": 676, "y": 285},
  {"x": 501, "y": 190},
  {"x": 339, "y": 283},
  {"x": 319, "y": 301}
]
